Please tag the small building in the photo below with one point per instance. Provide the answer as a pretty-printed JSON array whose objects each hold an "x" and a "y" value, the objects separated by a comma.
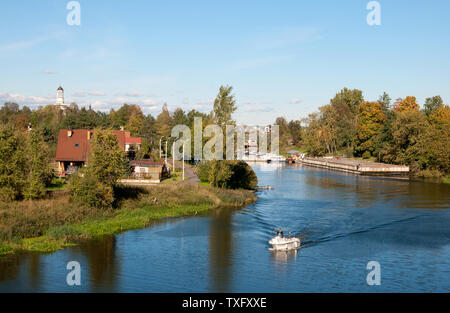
[
  {"x": 74, "y": 147},
  {"x": 149, "y": 170}
]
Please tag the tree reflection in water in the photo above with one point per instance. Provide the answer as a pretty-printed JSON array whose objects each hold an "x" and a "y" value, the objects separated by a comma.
[
  {"x": 103, "y": 264},
  {"x": 220, "y": 248}
]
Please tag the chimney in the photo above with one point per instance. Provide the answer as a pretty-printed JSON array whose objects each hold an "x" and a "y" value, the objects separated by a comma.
[
  {"x": 69, "y": 133},
  {"x": 121, "y": 128}
]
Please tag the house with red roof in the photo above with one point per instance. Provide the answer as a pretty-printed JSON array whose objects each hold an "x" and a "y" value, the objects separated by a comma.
[{"x": 74, "y": 147}]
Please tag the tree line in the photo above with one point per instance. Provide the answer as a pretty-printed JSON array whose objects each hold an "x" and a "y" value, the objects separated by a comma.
[
  {"x": 28, "y": 140},
  {"x": 398, "y": 132}
]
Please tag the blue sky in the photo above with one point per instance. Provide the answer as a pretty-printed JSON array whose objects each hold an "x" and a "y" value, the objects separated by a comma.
[{"x": 283, "y": 58}]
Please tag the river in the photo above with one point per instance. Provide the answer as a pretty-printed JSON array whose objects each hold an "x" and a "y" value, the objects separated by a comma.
[{"x": 344, "y": 221}]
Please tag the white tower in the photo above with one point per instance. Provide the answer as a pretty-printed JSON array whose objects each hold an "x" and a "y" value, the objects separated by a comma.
[{"x": 60, "y": 97}]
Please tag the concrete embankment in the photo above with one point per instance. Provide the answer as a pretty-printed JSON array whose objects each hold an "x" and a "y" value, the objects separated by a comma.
[{"x": 356, "y": 166}]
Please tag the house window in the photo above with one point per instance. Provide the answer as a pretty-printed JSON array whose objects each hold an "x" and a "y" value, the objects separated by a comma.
[{"x": 76, "y": 145}]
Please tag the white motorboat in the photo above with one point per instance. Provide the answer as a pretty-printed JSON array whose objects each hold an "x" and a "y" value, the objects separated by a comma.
[
  {"x": 270, "y": 157},
  {"x": 280, "y": 243}
]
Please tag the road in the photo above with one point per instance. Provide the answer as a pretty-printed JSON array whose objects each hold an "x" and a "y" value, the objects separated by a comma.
[{"x": 190, "y": 178}]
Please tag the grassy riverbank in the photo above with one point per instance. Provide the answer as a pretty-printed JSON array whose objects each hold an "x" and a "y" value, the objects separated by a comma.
[{"x": 52, "y": 224}]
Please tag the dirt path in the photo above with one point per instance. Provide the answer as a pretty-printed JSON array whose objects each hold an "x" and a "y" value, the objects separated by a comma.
[{"x": 190, "y": 178}]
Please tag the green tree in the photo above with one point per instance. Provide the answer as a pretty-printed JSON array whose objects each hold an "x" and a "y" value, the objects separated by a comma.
[
  {"x": 370, "y": 125},
  {"x": 107, "y": 161},
  {"x": 135, "y": 121},
  {"x": 164, "y": 122},
  {"x": 295, "y": 131},
  {"x": 179, "y": 117},
  {"x": 432, "y": 104},
  {"x": 328, "y": 128},
  {"x": 242, "y": 177},
  {"x": 346, "y": 104},
  {"x": 224, "y": 106},
  {"x": 312, "y": 136},
  {"x": 39, "y": 173},
  {"x": 437, "y": 139},
  {"x": 12, "y": 164},
  {"x": 385, "y": 101},
  {"x": 106, "y": 165},
  {"x": 284, "y": 133},
  {"x": 408, "y": 145},
  {"x": 227, "y": 174},
  {"x": 145, "y": 151},
  {"x": 148, "y": 129}
]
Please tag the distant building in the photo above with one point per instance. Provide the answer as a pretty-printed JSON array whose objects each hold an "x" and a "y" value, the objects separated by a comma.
[
  {"x": 74, "y": 147},
  {"x": 60, "y": 98}
]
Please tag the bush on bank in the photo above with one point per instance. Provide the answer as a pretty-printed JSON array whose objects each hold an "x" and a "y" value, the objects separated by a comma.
[{"x": 227, "y": 174}]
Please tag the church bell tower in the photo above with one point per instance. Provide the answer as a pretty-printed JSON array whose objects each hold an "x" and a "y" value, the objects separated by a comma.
[{"x": 60, "y": 96}]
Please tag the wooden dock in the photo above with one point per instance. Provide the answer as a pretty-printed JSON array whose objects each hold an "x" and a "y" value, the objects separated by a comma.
[
  {"x": 259, "y": 188},
  {"x": 354, "y": 166}
]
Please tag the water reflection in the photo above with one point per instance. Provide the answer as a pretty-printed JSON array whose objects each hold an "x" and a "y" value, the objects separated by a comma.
[
  {"x": 220, "y": 250},
  {"x": 9, "y": 267},
  {"x": 103, "y": 264},
  {"x": 35, "y": 270},
  {"x": 284, "y": 257}
]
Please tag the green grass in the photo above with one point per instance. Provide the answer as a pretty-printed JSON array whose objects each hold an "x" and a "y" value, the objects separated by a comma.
[
  {"x": 6, "y": 249},
  {"x": 173, "y": 179},
  {"x": 57, "y": 184},
  {"x": 140, "y": 210},
  {"x": 446, "y": 180}
]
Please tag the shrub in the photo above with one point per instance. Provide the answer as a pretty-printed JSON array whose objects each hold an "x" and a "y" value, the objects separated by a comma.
[
  {"x": 366, "y": 155},
  {"x": 203, "y": 171},
  {"x": 243, "y": 176},
  {"x": 87, "y": 190},
  {"x": 227, "y": 174}
]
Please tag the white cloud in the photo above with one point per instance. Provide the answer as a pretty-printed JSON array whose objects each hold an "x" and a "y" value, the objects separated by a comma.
[
  {"x": 97, "y": 93},
  {"x": 259, "y": 108},
  {"x": 100, "y": 105},
  {"x": 26, "y": 100},
  {"x": 148, "y": 101},
  {"x": 79, "y": 94},
  {"x": 150, "y": 108},
  {"x": 121, "y": 100},
  {"x": 134, "y": 94},
  {"x": 295, "y": 101}
]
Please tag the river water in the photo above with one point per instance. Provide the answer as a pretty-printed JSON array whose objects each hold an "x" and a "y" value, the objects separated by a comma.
[{"x": 344, "y": 222}]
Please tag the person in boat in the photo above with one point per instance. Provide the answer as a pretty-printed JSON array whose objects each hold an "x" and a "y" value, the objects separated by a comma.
[{"x": 280, "y": 233}]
